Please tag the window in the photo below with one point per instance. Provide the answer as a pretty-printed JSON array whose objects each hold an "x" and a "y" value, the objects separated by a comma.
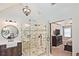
[{"x": 67, "y": 32}]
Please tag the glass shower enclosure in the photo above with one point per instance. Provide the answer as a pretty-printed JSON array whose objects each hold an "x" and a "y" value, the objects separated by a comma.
[{"x": 35, "y": 39}]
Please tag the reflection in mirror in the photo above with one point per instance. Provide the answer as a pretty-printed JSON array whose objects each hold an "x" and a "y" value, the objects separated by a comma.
[{"x": 9, "y": 32}]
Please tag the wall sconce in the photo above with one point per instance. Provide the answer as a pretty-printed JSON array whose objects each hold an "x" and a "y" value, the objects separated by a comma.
[
  {"x": 26, "y": 10},
  {"x": 10, "y": 21}
]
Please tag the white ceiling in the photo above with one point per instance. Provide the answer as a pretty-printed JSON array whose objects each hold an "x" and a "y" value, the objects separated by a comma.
[
  {"x": 43, "y": 11},
  {"x": 58, "y": 6},
  {"x": 5, "y": 5}
]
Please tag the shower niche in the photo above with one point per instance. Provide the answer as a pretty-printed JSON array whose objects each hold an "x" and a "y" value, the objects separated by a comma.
[{"x": 35, "y": 40}]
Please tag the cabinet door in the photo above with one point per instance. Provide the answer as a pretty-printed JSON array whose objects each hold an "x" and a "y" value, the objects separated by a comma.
[
  {"x": 2, "y": 50},
  {"x": 19, "y": 49},
  {"x": 14, "y": 51},
  {"x": 11, "y": 51},
  {"x": 54, "y": 41},
  {"x": 8, "y": 52}
]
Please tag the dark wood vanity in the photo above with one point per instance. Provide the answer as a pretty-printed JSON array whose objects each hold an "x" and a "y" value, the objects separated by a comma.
[
  {"x": 12, "y": 51},
  {"x": 56, "y": 40}
]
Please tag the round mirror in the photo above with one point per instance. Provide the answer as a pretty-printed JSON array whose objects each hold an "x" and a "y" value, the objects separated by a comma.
[{"x": 9, "y": 32}]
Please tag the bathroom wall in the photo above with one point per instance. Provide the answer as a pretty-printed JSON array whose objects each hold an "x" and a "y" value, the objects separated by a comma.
[
  {"x": 75, "y": 30},
  {"x": 75, "y": 35}
]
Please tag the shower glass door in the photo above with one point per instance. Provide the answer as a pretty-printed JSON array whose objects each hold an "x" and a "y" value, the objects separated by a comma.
[{"x": 35, "y": 40}]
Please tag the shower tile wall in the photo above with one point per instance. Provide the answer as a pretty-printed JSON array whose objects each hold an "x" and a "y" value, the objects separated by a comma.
[{"x": 35, "y": 40}]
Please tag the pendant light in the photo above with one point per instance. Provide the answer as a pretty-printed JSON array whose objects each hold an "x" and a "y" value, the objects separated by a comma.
[{"x": 26, "y": 10}]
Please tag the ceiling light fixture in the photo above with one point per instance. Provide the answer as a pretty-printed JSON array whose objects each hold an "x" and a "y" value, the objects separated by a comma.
[{"x": 26, "y": 10}]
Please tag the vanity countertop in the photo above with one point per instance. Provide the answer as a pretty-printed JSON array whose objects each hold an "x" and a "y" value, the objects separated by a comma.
[{"x": 9, "y": 44}]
